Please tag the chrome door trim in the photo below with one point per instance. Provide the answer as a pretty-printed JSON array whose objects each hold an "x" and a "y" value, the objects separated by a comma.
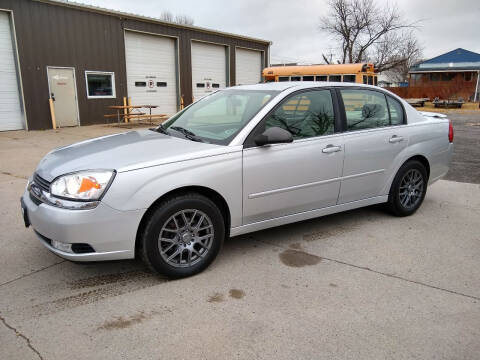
[{"x": 302, "y": 186}]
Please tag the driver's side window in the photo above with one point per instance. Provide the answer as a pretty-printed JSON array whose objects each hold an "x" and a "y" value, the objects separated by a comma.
[{"x": 305, "y": 115}]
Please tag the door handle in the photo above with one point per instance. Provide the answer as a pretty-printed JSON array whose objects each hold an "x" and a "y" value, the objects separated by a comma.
[
  {"x": 395, "y": 139},
  {"x": 331, "y": 149},
  {"x": 52, "y": 95}
]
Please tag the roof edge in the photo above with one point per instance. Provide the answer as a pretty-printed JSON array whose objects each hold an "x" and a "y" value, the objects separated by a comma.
[{"x": 105, "y": 11}]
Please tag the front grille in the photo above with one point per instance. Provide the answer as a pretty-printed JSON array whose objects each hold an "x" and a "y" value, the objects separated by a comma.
[
  {"x": 41, "y": 183},
  {"x": 35, "y": 200}
]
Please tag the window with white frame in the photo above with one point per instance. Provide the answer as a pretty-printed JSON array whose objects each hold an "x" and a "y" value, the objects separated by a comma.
[{"x": 100, "y": 84}]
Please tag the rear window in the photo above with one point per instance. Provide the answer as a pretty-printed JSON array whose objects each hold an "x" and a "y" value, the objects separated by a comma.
[{"x": 365, "y": 109}]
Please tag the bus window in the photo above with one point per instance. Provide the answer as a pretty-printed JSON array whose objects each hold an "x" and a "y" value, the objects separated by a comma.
[
  {"x": 370, "y": 80},
  {"x": 337, "y": 78},
  {"x": 349, "y": 78},
  {"x": 308, "y": 78},
  {"x": 283, "y": 78},
  {"x": 321, "y": 78},
  {"x": 364, "y": 79},
  {"x": 295, "y": 78},
  {"x": 375, "y": 80}
]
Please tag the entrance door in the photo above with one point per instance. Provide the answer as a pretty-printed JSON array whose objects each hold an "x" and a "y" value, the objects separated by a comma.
[{"x": 63, "y": 91}]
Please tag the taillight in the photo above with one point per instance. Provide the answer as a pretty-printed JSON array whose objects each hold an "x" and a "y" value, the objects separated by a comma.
[{"x": 450, "y": 131}]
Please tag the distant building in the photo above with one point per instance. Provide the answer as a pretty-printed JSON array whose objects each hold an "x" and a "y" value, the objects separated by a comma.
[
  {"x": 451, "y": 75},
  {"x": 85, "y": 59}
]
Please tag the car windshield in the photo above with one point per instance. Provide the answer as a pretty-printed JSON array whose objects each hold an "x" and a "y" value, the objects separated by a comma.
[{"x": 217, "y": 118}]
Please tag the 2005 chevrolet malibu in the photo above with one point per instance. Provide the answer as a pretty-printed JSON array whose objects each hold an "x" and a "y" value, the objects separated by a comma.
[{"x": 239, "y": 160}]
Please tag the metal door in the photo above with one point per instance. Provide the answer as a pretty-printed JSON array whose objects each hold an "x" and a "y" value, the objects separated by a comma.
[{"x": 63, "y": 91}]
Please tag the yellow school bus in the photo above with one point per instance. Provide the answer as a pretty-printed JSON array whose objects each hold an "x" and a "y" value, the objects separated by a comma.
[{"x": 353, "y": 73}]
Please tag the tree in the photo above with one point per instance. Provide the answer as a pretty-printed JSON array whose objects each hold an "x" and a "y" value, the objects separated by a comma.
[
  {"x": 178, "y": 19},
  {"x": 370, "y": 33}
]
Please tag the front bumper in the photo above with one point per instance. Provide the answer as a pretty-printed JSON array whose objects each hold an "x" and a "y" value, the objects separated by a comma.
[{"x": 110, "y": 232}]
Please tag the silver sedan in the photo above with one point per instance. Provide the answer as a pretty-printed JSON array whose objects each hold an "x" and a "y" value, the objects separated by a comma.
[{"x": 239, "y": 160}]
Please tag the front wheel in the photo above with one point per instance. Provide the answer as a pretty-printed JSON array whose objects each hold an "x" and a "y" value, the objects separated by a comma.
[
  {"x": 408, "y": 189},
  {"x": 182, "y": 236}
]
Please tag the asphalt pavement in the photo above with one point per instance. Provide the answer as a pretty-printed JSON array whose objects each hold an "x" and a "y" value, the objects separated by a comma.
[{"x": 356, "y": 285}]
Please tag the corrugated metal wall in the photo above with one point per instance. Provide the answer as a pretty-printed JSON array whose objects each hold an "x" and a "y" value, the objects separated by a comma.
[{"x": 54, "y": 35}]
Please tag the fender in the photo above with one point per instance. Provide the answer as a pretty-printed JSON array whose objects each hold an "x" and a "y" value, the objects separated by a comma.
[{"x": 139, "y": 189}]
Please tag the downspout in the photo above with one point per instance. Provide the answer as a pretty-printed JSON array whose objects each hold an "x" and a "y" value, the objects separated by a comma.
[{"x": 476, "y": 89}]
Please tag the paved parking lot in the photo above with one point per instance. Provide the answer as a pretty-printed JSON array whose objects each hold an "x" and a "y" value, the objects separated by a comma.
[{"x": 357, "y": 285}]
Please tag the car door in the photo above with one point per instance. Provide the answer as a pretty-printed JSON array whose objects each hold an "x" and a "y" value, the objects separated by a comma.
[
  {"x": 375, "y": 135},
  {"x": 284, "y": 179}
]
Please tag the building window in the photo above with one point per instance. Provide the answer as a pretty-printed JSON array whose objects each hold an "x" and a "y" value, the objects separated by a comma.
[
  {"x": 415, "y": 77},
  {"x": 435, "y": 77},
  {"x": 467, "y": 76},
  {"x": 447, "y": 76},
  {"x": 100, "y": 85}
]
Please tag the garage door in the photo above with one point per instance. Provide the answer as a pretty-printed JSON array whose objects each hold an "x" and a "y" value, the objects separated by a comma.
[
  {"x": 11, "y": 115},
  {"x": 151, "y": 71},
  {"x": 209, "y": 68},
  {"x": 248, "y": 66}
]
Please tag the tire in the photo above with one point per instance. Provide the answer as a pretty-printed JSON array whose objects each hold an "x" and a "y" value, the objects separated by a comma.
[
  {"x": 408, "y": 189},
  {"x": 190, "y": 225}
]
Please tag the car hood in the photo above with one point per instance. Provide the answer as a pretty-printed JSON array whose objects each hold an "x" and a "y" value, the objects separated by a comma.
[{"x": 123, "y": 152}]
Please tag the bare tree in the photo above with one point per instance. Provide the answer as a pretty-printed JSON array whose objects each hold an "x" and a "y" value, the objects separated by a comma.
[
  {"x": 166, "y": 16},
  {"x": 178, "y": 19},
  {"x": 399, "y": 54},
  {"x": 184, "y": 20},
  {"x": 369, "y": 33}
]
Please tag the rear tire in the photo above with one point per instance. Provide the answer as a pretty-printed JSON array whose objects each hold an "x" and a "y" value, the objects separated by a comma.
[
  {"x": 408, "y": 189},
  {"x": 182, "y": 236}
]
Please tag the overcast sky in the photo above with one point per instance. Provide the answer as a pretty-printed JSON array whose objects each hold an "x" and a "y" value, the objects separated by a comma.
[{"x": 292, "y": 26}]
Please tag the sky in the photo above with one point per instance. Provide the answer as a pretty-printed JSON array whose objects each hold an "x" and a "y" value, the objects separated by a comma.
[{"x": 293, "y": 26}]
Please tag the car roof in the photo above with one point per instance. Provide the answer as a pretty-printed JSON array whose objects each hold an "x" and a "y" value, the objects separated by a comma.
[{"x": 281, "y": 86}]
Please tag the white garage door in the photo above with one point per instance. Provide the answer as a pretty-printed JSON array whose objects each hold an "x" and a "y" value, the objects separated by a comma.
[
  {"x": 11, "y": 115},
  {"x": 248, "y": 66},
  {"x": 151, "y": 71},
  {"x": 209, "y": 68}
]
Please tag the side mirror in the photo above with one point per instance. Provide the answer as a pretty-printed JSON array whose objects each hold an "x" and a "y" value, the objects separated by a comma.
[{"x": 274, "y": 135}]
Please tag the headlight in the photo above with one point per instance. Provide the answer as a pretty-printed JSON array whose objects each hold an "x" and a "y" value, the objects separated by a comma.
[{"x": 83, "y": 185}]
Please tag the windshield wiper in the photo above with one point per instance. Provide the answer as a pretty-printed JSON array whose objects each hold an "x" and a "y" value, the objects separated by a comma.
[
  {"x": 187, "y": 133},
  {"x": 160, "y": 129}
]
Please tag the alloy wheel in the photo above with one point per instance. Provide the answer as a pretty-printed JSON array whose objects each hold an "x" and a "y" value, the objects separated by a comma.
[
  {"x": 411, "y": 189},
  {"x": 185, "y": 238}
]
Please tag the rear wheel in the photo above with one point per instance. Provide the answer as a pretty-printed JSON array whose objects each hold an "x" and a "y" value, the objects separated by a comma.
[
  {"x": 183, "y": 235},
  {"x": 408, "y": 189}
]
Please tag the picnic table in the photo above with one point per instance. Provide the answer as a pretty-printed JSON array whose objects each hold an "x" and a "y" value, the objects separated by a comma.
[
  {"x": 449, "y": 103},
  {"x": 420, "y": 102},
  {"x": 132, "y": 112}
]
